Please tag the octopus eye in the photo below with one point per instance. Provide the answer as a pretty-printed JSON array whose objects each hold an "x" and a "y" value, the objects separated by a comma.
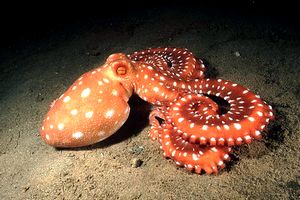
[{"x": 121, "y": 69}]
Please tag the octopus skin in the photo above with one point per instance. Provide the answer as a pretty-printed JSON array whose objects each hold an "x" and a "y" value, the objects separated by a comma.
[
  {"x": 93, "y": 108},
  {"x": 192, "y": 132}
]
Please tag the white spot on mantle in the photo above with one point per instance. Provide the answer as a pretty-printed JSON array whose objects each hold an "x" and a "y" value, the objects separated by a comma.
[
  {"x": 74, "y": 112},
  {"x": 77, "y": 135},
  {"x": 61, "y": 126},
  {"x": 66, "y": 99},
  {"x": 89, "y": 114},
  {"x": 109, "y": 113},
  {"x": 86, "y": 92},
  {"x": 155, "y": 89}
]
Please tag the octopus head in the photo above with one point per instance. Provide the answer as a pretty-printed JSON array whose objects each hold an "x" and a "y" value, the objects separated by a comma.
[{"x": 93, "y": 108}]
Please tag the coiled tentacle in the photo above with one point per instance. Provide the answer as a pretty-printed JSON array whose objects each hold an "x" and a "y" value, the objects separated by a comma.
[
  {"x": 194, "y": 157},
  {"x": 197, "y": 118}
]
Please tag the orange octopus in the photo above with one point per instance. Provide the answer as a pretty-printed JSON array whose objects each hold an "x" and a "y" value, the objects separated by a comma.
[{"x": 186, "y": 120}]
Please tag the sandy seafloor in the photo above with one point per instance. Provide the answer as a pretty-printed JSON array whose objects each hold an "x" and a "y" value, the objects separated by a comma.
[{"x": 261, "y": 54}]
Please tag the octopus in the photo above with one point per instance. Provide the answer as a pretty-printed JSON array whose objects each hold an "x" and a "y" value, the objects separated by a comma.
[{"x": 193, "y": 129}]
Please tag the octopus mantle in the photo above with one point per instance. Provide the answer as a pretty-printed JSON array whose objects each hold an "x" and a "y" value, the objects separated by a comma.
[{"x": 185, "y": 120}]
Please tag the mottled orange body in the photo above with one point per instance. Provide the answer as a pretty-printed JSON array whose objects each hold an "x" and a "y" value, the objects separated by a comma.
[{"x": 193, "y": 133}]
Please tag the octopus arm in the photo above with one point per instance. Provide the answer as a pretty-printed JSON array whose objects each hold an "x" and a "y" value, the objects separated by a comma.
[
  {"x": 197, "y": 117},
  {"x": 193, "y": 156}
]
